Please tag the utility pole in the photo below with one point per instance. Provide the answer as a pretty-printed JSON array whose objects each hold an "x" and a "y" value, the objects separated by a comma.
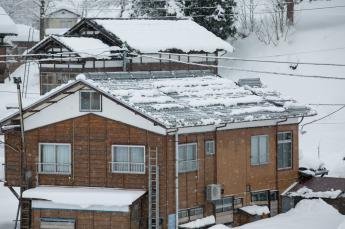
[
  {"x": 42, "y": 29},
  {"x": 290, "y": 11},
  {"x": 18, "y": 81}
]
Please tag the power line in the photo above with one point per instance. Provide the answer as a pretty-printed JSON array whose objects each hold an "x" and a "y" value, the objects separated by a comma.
[
  {"x": 326, "y": 104},
  {"x": 248, "y": 70}
]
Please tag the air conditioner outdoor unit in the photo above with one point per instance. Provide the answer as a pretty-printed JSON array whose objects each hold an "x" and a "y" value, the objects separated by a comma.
[{"x": 213, "y": 192}]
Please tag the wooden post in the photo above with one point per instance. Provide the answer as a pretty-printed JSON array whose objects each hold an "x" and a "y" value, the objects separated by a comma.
[{"x": 42, "y": 29}]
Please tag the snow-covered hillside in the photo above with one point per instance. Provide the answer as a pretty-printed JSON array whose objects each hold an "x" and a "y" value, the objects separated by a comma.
[{"x": 318, "y": 36}]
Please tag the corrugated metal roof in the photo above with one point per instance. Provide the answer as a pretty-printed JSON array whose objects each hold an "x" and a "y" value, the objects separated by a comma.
[{"x": 321, "y": 184}]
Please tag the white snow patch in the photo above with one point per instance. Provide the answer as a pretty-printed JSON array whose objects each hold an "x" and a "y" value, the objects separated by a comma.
[
  {"x": 209, "y": 220},
  {"x": 308, "y": 193},
  {"x": 7, "y": 25},
  {"x": 256, "y": 210}
]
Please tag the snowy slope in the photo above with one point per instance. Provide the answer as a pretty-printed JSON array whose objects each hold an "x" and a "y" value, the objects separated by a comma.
[
  {"x": 308, "y": 214},
  {"x": 318, "y": 36}
]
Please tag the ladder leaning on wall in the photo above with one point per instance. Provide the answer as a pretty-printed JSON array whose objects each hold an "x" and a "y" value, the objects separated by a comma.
[{"x": 153, "y": 189}]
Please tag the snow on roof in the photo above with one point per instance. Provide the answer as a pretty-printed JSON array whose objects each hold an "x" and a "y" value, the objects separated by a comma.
[
  {"x": 308, "y": 193},
  {"x": 151, "y": 36},
  {"x": 199, "y": 223},
  {"x": 311, "y": 214},
  {"x": 193, "y": 101},
  {"x": 56, "y": 31},
  {"x": 7, "y": 25},
  {"x": 219, "y": 226},
  {"x": 256, "y": 210},
  {"x": 26, "y": 33},
  {"x": 86, "y": 198}
]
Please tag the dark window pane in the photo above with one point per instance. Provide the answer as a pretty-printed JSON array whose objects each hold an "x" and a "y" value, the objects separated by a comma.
[
  {"x": 95, "y": 101},
  {"x": 85, "y": 100}
]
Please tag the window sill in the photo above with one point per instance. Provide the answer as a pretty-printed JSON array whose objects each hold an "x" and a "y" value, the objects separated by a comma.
[
  {"x": 60, "y": 174},
  {"x": 258, "y": 165},
  {"x": 285, "y": 169},
  {"x": 191, "y": 171},
  {"x": 127, "y": 172}
]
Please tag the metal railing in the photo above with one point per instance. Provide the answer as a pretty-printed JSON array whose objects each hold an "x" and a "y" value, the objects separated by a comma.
[
  {"x": 54, "y": 168},
  {"x": 187, "y": 166},
  {"x": 127, "y": 167}
]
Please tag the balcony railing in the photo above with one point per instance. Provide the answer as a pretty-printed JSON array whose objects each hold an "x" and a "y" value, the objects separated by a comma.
[
  {"x": 127, "y": 167},
  {"x": 187, "y": 166},
  {"x": 55, "y": 168}
]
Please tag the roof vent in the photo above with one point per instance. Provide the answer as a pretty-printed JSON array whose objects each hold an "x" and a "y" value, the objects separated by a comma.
[{"x": 251, "y": 82}]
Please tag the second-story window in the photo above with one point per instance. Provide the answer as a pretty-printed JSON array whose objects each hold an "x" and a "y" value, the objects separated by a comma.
[
  {"x": 187, "y": 157},
  {"x": 284, "y": 150},
  {"x": 55, "y": 158},
  {"x": 128, "y": 159},
  {"x": 90, "y": 101},
  {"x": 259, "y": 150},
  {"x": 210, "y": 148}
]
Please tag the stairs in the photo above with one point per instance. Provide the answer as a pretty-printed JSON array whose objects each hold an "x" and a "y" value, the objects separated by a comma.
[
  {"x": 25, "y": 222},
  {"x": 153, "y": 189}
]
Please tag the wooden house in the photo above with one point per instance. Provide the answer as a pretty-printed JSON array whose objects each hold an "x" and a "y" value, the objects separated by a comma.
[
  {"x": 175, "y": 148},
  {"x": 59, "y": 20},
  {"x": 147, "y": 45}
]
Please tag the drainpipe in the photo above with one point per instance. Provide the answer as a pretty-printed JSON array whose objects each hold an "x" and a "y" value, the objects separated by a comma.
[
  {"x": 176, "y": 179},
  {"x": 215, "y": 146},
  {"x": 277, "y": 182}
]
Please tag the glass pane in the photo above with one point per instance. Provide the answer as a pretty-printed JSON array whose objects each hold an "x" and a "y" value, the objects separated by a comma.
[
  {"x": 137, "y": 154},
  {"x": 191, "y": 152},
  {"x": 280, "y": 155},
  {"x": 120, "y": 154},
  {"x": 182, "y": 154},
  {"x": 85, "y": 100},
  {"x": 287, "y": 155},
  {"x": 210, "y": 149},
  {"x": 263, "y": 149},
  {"x": 63, "y": 158},
  {"x": 95, "y": 101},
  {"x": 254, "y": 156},
  {"x": 48, "y": 158}
]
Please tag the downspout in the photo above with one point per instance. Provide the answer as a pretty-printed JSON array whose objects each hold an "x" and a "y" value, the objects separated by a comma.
[
  {"x": 276, "y": 181},
  {"x": 215, "y": 147},
  {"x": 176, "y": 180}
]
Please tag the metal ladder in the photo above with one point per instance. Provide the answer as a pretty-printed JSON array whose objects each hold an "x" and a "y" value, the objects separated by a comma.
[
  {"x": 25, "y": 214},
  {"x": 153, "y": 189}
]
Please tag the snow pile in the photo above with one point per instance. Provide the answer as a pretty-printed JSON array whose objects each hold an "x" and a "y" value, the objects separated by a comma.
[
  {"x": 7, "y": 26},
  {"x": 151, "y": 36},
  {"x": 219, "y": 226},
  {"x": 308, "y": 193},
  {"x": 209, "y": 220},
  {"x": 83, "y": 198},
  {"x": 256, "y": 210},
  {"x": 342, "y": 225},
  {"x": 308, "y": 214}
]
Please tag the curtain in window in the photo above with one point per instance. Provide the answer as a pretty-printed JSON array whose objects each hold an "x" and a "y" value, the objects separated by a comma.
[
  {"x": 254, "y": 159},
  {"x": 48, "y": 158},
  {"x": 263, "y": 149},
  {"x": 85, "y": 101},
  {"x": 63, "y": 158}
]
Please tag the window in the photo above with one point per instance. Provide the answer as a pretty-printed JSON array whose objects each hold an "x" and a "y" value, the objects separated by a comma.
[
  {"x": 284, "y": 150},
  {"x": 273, "y": 195},
  {"x": 128, "y": 159},
  {"x": 190, "y": 214},
  {"x": 224, "y": 205},
  {"x": 210, "y": 148},
  {"x": 90, "y": 101},
  {"x": 187, "y": 157},
  {"x": 238, "y": 202},
  {"x": 261, "y": 196},
  {"x": 48, "y": 223},
  {"x": 259, "y": 150},
  {"x": 55, "y": 158}
]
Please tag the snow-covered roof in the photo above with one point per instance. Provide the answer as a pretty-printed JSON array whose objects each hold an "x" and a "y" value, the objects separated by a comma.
[
  {"x": 199, "y": 223},
  {"x": 86, "y": 198},
  {"x": 56, "y": 31},
  {"x": 151, "y": 36},
  {"x": 82, "y": 46},
  {"x": 318, "y": 187},
  {"x": 26, "y": 33},
  {"x": 7, "y": 25},
  {"x": 186, "y": 100},
  {"x": 256, "y": 210}
]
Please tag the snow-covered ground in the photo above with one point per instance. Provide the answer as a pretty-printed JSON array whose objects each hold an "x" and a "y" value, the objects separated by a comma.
[
  {"x": 318, "y": 36},
  {"x": 308, "y": 214}
]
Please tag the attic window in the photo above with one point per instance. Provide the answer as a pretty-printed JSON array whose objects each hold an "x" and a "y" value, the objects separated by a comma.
[{"x": 90, "y": 101}]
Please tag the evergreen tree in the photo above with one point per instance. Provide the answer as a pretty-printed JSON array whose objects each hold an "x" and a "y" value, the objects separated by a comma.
[{"x": 216, "y": 16}]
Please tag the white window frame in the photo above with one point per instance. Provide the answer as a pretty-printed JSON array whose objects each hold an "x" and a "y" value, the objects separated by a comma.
[
  {"x": 222, "y": 206},
  {"x": 214, "y": 147},
  {"x": 56, "y": 172},
  {"x": 283, "y": 142},
  {"x": 260, "y": 202},
  {"x": 189, "y": 163},
  {"x": 128, "y": 163},
  {"x": 90, "y": 110},
  {"x": 267, "y": 147}
]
